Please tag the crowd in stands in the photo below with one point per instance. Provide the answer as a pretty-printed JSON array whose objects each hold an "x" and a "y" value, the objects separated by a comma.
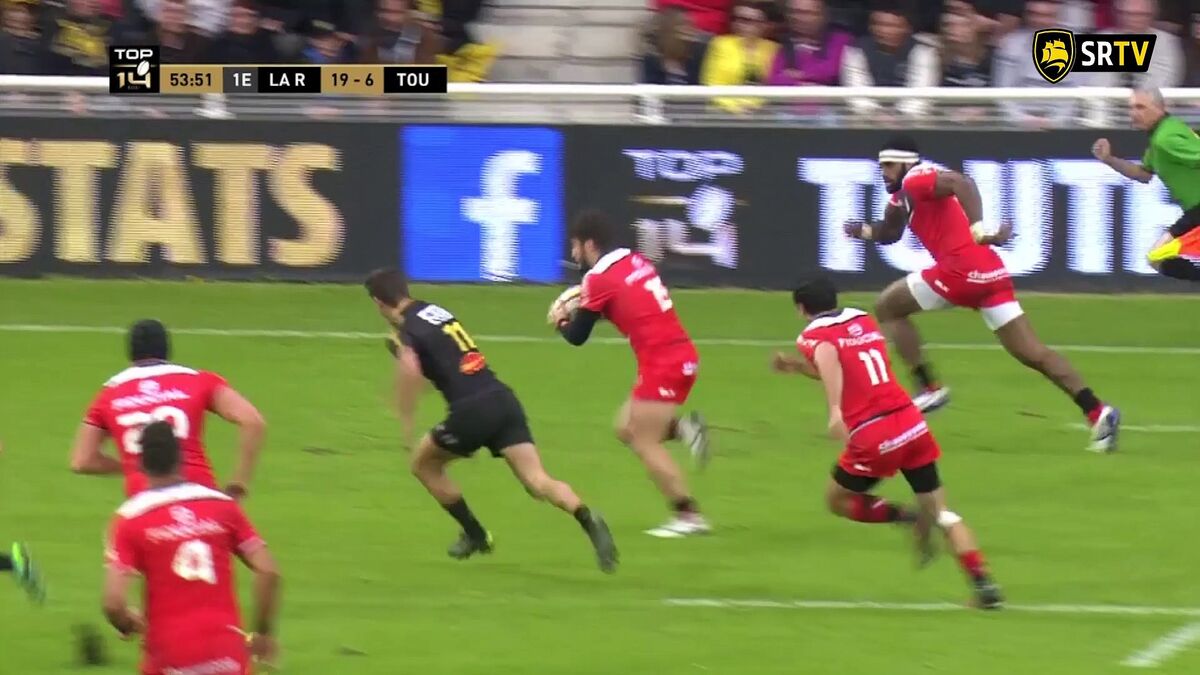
[
  {"x": 955, "y": 43},
  {"x": 70, "y": 37},
  {"x": 860, "y": 43}
]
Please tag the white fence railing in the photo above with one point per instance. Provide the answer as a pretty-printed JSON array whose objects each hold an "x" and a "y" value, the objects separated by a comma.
[{"x": 1091, "y": 106}]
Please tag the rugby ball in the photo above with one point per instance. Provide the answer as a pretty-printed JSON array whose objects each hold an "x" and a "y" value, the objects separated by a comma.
[{"x": 567, "y": 302}]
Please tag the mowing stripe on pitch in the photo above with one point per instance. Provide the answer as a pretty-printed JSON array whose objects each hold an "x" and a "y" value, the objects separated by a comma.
[
  {"x": 716, "y": 342},
  {"x": 1164, "y": 648},
  {"x": 1149, "y": 428},
  {"x": 1105, "y": 610}
]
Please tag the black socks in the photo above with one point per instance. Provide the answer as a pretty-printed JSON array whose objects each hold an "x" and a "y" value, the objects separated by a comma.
[{"x": 462, "y": 513}]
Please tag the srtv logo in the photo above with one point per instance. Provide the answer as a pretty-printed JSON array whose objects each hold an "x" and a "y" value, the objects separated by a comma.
[{"x": 1058, "y": 53}]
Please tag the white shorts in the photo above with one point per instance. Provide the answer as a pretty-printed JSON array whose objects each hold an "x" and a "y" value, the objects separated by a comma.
[{"x": 998, "y": 305}]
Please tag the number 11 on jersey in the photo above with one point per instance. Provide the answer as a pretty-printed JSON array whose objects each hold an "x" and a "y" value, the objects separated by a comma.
[
  {"x": 877, "y": 368},
  {"x": 455, "y": 330}
]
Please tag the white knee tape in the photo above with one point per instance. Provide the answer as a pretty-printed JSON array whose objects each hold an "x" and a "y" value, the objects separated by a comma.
[{"x": 947, "y": 519}]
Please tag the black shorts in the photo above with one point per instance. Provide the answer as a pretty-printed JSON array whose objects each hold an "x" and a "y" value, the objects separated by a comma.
[
  {"x": 494, "y": 420},
  {"x": 1189, "y": 221},
  {"x": 922, "y": 480}
]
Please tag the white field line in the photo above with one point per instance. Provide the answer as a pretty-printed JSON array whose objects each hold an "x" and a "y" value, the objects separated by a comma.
[
  {"x": 1164, "y": 647},
  {"x": 719, "y": 342},
  {"x": 1105, "y": 610},
  {"x": 1150, "y": 428}
]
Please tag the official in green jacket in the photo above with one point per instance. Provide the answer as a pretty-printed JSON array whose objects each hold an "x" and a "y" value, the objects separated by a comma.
[{"x": 1174, "y": 156}]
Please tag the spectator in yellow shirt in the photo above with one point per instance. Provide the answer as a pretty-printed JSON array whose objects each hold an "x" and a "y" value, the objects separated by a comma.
[{"x": 743, "y": 57}]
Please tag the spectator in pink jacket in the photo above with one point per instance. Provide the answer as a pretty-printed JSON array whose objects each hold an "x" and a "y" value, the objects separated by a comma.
[
  {"x": 812, "y": 51},
  {"x": 708, "y": 16}
]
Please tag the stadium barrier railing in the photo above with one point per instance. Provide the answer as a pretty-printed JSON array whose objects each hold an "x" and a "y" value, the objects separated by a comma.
[
  {"x": 451, "y": 200},
  {"x": 1062, "y": 106}
]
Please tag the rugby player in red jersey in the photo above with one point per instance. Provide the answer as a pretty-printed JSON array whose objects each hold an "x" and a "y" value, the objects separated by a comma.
[
  {"x": 883, "y": 432},
  {"x": 945, "y": 211},
  {"x": 624, "y": 288},
  {"x": 181, "y": 537},
  {"x": 154, "y": 389}
]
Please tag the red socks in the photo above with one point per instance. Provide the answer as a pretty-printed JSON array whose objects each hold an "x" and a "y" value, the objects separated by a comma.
[
  {"x": 973, "y": 564},
  {"x": 872, "y": 509}
]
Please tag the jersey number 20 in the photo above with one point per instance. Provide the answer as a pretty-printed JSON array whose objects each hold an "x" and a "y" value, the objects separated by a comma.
[{"x": 134, "y": 422}]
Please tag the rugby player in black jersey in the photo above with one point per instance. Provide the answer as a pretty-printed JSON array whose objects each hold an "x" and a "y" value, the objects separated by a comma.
[{"x": 428, "y": 342}]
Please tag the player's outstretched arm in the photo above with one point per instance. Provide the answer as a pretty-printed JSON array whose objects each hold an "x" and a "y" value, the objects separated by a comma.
[
  {"x": 87, "y": 457},
  {"x": 116, "y": 590},
  {"x": 887, "y": 231},
  {"x": 266, "y": 602},
  {"x": 238, "y": 410},
  {"x": 793, "y": 365},
  {"x": 579, "y": 328},
  {"x": 409, "y": 383},
  {"x": 830, "y": 369}
]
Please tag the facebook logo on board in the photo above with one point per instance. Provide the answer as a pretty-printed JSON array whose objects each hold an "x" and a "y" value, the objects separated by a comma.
[{"x": 482, "y": 203}]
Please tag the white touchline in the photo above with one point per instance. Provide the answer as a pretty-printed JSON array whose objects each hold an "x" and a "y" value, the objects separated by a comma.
[
  {"x": 716, "y": 342},
  {"x": 1164, "y": 647},
  {"x": 1109, "y": 610},
  {"x": 1150, "y": 428}
]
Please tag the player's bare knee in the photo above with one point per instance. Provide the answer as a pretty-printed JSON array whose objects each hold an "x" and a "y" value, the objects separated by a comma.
[
  {"x": 624, "y": 433},
  {"x": 422, "y": 465},
  {"x": 537, "y": 484},
  {"x": 835, "y": 499},
  {"x": 417, "y": 467},
  {"x": 1042, "y": 359},
  {"x": 883, "y": 311},
  {"x": 947, "y": 519},
  {"x": 1030, "y": 356}
]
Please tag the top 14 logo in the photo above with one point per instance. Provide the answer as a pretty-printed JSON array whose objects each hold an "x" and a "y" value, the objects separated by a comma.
[{"x": 708, "y": 209}]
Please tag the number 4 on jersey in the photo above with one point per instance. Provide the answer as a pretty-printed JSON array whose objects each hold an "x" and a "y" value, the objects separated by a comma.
[{"x": 194, "y": 562}]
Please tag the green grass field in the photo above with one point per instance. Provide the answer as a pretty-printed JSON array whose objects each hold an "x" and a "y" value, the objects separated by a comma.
[{"x": 369, "y": 589}]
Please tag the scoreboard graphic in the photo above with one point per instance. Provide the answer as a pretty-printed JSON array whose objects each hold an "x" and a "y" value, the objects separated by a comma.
[{"x": 137, "y": 70}]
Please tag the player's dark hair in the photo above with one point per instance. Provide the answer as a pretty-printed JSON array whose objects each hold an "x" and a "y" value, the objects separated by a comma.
[
  {"x": 594, "y": 226},
  {"x": 902, "y": 143},
  {"x": 387, "y": 285},
  {"x": 815, "y": 296},
  {"x": 160, "y": 450},
  {"x": 148, "y": 339}
]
